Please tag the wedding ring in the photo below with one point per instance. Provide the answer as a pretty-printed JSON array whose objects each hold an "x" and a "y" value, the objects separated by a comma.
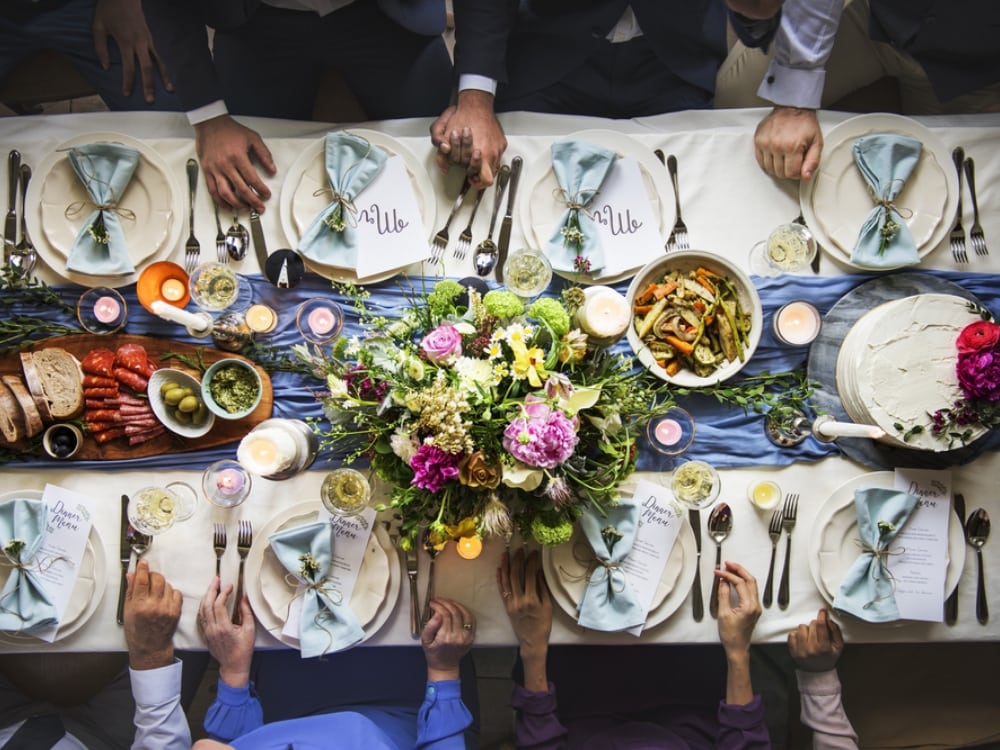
[
  {"x": 467, "y": 626},
  {"x": 506, "y": 594}
]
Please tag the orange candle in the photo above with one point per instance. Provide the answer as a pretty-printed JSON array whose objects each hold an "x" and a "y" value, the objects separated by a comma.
[{"x": 469, "y": 547}]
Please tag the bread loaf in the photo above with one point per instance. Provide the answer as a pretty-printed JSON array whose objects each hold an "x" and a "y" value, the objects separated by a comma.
[
  {"x": 34, "y": 384},
  {"x": 11, "y": 418},
  {"x": 61, "y": 381},
  {"x": 32, "y": 419}
]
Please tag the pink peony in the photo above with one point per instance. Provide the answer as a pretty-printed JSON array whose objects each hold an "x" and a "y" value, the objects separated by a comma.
[
  {"x": 541, "y": 437},
  {"x": 433, "y": 468},
  {"x": 977, "y": 336},
  {"x": 443, "y": 345},
  {"x": 979, "y": 374}
]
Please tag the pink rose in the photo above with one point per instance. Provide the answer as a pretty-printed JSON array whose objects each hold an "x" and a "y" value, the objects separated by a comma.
[
  {"x": 443, "y": 345},
  {"x": 977, "y": 336}
]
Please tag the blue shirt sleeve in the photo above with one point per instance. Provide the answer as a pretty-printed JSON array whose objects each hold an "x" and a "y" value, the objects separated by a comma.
[
  {"x": 443, "y": 717},
  {"x": 235, "y": 712}
]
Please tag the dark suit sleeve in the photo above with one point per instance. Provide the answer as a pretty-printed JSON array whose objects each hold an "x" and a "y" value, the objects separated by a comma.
[
  {"x": 178, "y": 30},
  {"x": 481, "y": 31},
  {"x": 755, "y": 33}
]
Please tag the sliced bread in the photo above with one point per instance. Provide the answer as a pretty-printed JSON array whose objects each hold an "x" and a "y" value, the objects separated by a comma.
[
  {"x": 32, "y": 419},
  {"x": 11, "y": 418},
  {"x": 34, "y": 384},
  {"x": 61, "y": 381}
]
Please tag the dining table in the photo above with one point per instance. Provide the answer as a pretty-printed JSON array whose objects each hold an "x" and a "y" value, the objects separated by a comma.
[{"x": 728, "y": 204}]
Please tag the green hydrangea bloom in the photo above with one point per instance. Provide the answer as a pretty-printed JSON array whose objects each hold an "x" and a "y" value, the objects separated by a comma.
[
  {"x": 503, "y": 304},
  {"x": 442, "y": 300},
  {"x": 545, "y": 534},
  {"x": 553, "y": 314}
]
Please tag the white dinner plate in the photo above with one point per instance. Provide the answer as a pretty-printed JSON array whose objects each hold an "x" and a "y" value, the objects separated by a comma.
[
  {"x": 152, "y": 196},
  {"x": 375, "y": 591},
  {"x": 833, "y": 546},
  {"x": 300, "y": 202},
  {"x": 540, "y": 209},
  {"x": 89, "y": 586},
  {"x": 836, "y": 201},
  {"x": 566, "y": 574}
]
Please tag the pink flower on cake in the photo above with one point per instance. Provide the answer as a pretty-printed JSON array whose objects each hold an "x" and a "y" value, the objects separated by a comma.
[
  {"x": 443, "y": 345},
  {"x": 977, "y": 336}
]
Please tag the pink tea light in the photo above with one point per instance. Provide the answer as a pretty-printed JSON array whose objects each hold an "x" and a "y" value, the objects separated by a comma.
[{"x": 107, "y": 310}]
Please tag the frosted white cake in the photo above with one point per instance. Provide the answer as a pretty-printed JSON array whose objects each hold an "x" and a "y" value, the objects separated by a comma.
[{"x": 897, "y": 366}]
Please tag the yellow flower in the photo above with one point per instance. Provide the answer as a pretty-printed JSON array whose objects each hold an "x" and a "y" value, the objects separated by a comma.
[
  {"x": 528, "y": 363},
  {"x": 573, "y": 347},
  {"x": 466, "y": 527}
]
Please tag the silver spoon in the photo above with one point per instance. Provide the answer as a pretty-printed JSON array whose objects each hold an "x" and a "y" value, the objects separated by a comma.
[
  {"x": 977, "y": 531},
  {"x": 720, "y": 523},
  {"x": 237, "y": 239},
  {"x": 485, "y": 257}
]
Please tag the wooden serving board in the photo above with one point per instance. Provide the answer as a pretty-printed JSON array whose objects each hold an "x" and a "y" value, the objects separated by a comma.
[{"x": 222, "y": 432}]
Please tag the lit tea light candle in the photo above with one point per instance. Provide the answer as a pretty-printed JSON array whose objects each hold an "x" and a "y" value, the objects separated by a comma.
[
  {"x": 173, "y": 290},
  {"x": 268, "y": 451},
  {"x": 764, "y": 494},
  {"x": 826, "y": 427},
  {"x": 668, "y": 431},
  {"x": 107, "y": 310},
  {"x": 469, "y": 547},
  {"x": 604, "y": 315},
  {"x": 797, "y": 323},
  {"x": 229, "y": 481},
  {"x": 191, "y": 321},
  {"x": 321, "y": 321},
  {"x": 261, "y": 318}
]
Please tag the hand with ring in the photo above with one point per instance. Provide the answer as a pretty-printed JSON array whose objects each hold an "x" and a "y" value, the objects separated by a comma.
[
  {"x": 446, "y": 638},
  {"x": 528, "y": 603}
]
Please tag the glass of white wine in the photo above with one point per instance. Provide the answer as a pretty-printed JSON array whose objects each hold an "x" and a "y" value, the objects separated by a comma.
[
  {"x": 695, "y": 484},
  {"x": 153, "y": 510},
  {"x": 790, "y": 248},
  {"x": 346, "y": 492}
]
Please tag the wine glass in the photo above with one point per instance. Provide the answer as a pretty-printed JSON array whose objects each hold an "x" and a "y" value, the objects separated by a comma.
[
  {"x": 153, "y": 510},
  {"x": 345, "y": 492},
  {"x": 696, "y": 484},
  {"x": 790, "y": 248}
]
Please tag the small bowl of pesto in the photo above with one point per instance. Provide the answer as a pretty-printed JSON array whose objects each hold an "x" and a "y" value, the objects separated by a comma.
[{"x": 231, "y": 388}]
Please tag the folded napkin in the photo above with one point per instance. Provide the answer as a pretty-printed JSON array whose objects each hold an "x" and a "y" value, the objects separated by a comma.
[
  {"x": 105, "y": 169},
  {"x": 885, "y": 162},
  {"x": 608, "y": 602},
  {"x": 580, "y": 169},
  {"x": 352, "y": 163},
  {"x": 868, "y": 590},
  {"x": 24, "y": 604},
  {"x": 327, "y": 622}
]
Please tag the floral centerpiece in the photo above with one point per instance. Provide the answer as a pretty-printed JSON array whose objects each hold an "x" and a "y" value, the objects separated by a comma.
[{"x": 483, "y": 413}]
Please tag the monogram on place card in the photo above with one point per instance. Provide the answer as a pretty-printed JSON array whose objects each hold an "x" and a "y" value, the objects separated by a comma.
[
  {"x": 659, "y": 524},
  {"x": 629, "y": 230},
  {"x": 391, "y": 232}
]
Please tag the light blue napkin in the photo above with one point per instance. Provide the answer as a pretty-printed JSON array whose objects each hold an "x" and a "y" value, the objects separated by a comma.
[
  {"x": 885, "y": 162},
  {"x": 24, "y": 604},
  {"x": 352, "y": 163},
  {"x": 868, "y": 591},
  {"x": 105, "y": 169},
  {"x": 327, "y": 621},
  {"x": 580, "y": 169},
  {"x": 608, "y": 602}
]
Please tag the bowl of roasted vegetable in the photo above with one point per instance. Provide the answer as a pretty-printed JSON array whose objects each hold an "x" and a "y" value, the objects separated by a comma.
[{"x": 696, "y": 318}]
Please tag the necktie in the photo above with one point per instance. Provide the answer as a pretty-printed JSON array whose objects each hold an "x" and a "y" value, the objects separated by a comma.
[{"x": 37, "y": 733}]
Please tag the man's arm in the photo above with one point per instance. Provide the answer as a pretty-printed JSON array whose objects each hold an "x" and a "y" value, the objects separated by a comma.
[{"x": 123, "y": 21}]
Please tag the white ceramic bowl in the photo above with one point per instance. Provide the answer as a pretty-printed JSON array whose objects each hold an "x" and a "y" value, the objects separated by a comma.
[
  {"x": 165, "y": 413},
  {"x": 689, "y": 260},
  {"x": 206, "y": 390}
]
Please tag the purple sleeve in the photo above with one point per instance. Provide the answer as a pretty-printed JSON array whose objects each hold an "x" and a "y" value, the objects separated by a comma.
[
  {"x": 537, "y": 724},
  {"x": 742, "y": 727}
]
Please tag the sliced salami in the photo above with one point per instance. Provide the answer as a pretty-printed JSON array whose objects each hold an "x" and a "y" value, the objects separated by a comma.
[
  {"x": 99, "y": 381},
  {"x": 103, "y": 437},
  {"x": 131, "y": 379},
  {"x": 99, "y": 362},
  {"x": 142, "y": 438},
  {"x": 100, "y": 393},
  {"x": 132, "y": 357}
]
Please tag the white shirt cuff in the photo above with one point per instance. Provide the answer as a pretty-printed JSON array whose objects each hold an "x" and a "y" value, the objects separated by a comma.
[
  {"x": 154, "y": 687},
  {"x": 207, "y": 112},
  {"x": 477, "y": 82},
  {"x": 818, "y": 683},
  {"x": 792, "y": 87}
]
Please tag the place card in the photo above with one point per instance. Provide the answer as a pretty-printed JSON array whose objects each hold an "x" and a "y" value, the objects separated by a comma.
[
  {"x": 390, "y": 229},
  {"x": 61, "y": 554},
  {"x": 628, "y": 229},
  {"x": 659, "y": 524},
  {"x": 921, "y": 565},
  {"x": 350, "y": 540}
]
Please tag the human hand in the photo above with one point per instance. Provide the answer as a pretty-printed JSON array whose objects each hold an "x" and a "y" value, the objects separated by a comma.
[
  {"x": 231, "y": 645},
  {"x": 788, "y": 143},
  {"x": 152, "y": 611},
  {"x": 736, "y": 623},
  {"x": 226, "y": 150},
  {"x": 123, "y": 21},
  {"x": 527, "y": 600},
  {"x": 446, "y": 638},
  {"x": 758, "y": 10},
  {"x": 816, "y": 647},
  {"x": 468, "y": 134}
]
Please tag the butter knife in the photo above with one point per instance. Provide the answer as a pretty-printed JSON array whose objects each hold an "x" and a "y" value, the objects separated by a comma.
[
  {"x": 951, "y": 603},
  {"x": 257, "y": 235},
  {"x": 697, "y": 605},
  {"x": 503, "y": 244},
  {"x": 412, "y": 564},
  {"x": 125, "y": 555},
  {"x": 10, "y": 220}
]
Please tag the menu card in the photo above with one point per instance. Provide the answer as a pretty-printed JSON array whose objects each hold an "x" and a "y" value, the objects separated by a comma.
[
  {"x": 390, "y": 230},
  {"x": 350, "y": 540},
  {"x": 921, "y": 565},
  {"x": 61, "y": 554},
  {"x": 659, "y": 523},
  {"x": 629, "y": 230}
]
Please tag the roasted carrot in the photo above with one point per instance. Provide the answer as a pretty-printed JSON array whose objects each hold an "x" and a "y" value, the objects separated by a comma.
[
  {"x": 703, "y": 280},
  {"x": 646, "y": 295},
  {"x": 642, "y": 309},
  {"x": 662, "y": 290},
  {"x": 679, "y": 344},
  {"x": 672, "y": 367}
]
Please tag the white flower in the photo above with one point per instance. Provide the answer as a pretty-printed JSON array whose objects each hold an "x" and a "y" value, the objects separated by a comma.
[
  {"x": 414, "y": 368},
  {"x": 473, "y": 371},
  {"x": 523, "y": 477},
  {"x": 403, "y": 445},
  {"x": 337, "y": 386},
  {"x": 518, "y": 333}
]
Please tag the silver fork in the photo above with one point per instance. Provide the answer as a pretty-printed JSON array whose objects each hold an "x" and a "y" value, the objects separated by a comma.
[
  {"x": 439, "y": 243},
  {"x": 957, "y": 236},
  {"x": 465, "y": 238},
  {"x": 219, "y": 543},
  {"x": 192, "y": 250},
  {"x": 221, "y": 251},
  {"x": 789, "y": 513},
  {"x": 244, "y": 539},
  {"x": 977, "y": 237},
  {"x": 773, "y": 531},
  {"x": 26, "y": 255},
  {"x": 678, "y": 239}
]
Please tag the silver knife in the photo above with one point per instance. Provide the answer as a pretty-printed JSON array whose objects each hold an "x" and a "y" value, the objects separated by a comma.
[
  {"x": 10, "y": 220},
  {"x": 697, "y": 606},
  {"x": 125, "y": 555},
  {"x": 411, "y": 573},
  {"x": 503, "y": 244},
  {"x": 951, "y": 603},
  {"x": 257, "y": 234}
]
